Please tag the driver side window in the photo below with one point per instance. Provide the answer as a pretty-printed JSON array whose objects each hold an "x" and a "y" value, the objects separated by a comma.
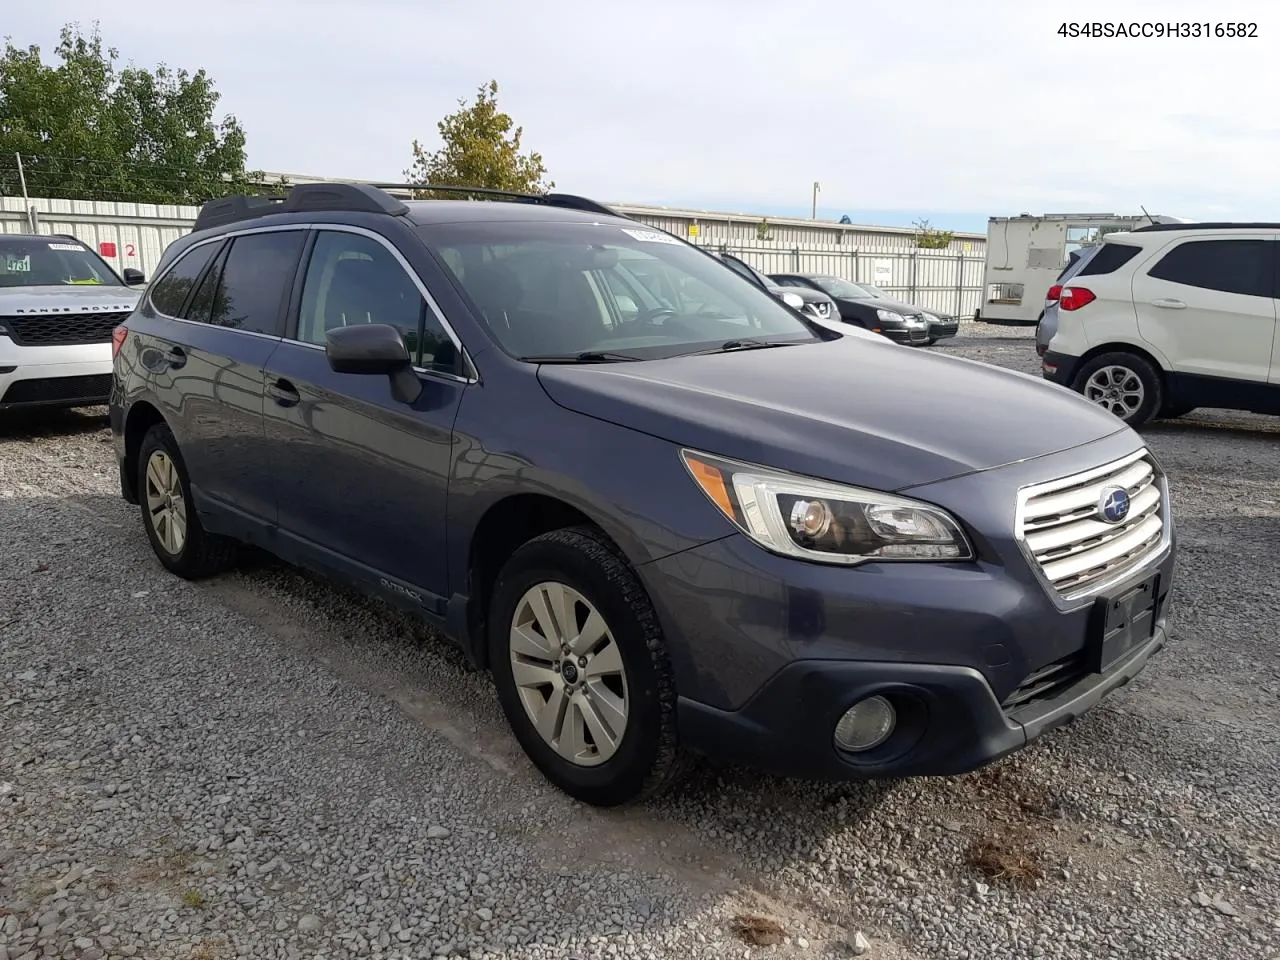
[{"x": 353, "y": 279}]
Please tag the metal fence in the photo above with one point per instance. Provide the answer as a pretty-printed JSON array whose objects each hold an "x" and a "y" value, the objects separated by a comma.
[
  {"x": 948, "y": 284},
  {"x": 135, "y": 235}
]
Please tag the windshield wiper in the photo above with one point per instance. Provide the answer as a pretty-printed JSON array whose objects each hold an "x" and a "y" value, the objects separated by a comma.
[
  {"x": 587, "y": 356},
  {"x": 747, "y": 343}
]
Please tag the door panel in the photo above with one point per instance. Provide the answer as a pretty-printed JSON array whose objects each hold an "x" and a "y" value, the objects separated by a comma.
[
  {"x": 362, "y": 478},
  {"x": 357, "y": 472},
  {"x": 1207, "y": 305}
]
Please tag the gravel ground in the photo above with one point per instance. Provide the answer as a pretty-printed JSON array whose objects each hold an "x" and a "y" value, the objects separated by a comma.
[{"x": 266, "y": 766}]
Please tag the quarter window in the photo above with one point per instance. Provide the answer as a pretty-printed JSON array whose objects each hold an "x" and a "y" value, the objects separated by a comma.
[
  {"x": 170, "y": 292},
  {"x": 1230, "y": 266},
  {"x": 352, "y": 279}
]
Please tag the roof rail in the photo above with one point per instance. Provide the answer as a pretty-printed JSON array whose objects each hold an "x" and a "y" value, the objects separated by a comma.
[
  {"x": 302, "y": 198},
  {"x": 1216, "y": 225},
  {"x": 567, "y": 200}
]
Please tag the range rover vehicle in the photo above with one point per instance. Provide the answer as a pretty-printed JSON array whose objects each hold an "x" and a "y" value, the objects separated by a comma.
[
  {"x": 59, "y": 302},
  {"x": 706, "y": 527}
]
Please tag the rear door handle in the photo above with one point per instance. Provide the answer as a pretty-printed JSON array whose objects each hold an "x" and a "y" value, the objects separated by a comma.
[
  {"x": 176, "y": 358},
  {"x": 284, "y": 393},
  {"x": 1169, "y": 304}
]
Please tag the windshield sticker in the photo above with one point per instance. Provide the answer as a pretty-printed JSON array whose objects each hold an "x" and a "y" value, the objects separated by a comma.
[
  {"x": 649, "y": 236},
  {"x": 75, "y": 247},
  {"x": 90, "y": 281},
  {"x": 14, "y": 264}
]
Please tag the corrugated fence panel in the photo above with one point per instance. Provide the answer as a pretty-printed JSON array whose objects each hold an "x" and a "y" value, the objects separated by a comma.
[
  {"x": 949, "y": 284},
  {"x": 124, "y": 234}
]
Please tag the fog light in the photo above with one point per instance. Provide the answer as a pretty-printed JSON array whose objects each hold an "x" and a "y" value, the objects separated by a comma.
[{"x": 866, "y": 725}]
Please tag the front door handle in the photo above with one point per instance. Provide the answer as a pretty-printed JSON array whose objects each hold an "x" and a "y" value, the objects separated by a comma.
[
  {"x": 1168, "y": 304},
  {"x": 284, "y": 393},
  {"x": 176, "y": 358}
]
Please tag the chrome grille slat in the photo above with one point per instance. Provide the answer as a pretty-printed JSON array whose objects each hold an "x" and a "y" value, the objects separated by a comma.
[{"x": 1075, "y": 551}]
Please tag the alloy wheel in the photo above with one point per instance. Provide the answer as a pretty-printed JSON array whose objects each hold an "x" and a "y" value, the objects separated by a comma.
[
  {"x": 1116, "y": 388},
  {"x": 569, "y": 673},
  {"x": 165, "y": 503}
]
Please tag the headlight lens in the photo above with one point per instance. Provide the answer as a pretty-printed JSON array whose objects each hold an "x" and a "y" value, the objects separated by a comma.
[
  {"x": 829, "y": 522},
  {"x": 890, "y": 316}
]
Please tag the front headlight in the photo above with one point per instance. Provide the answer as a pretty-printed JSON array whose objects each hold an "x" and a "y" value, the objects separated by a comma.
[
  {"x": 828, "y": 522},
  {"x": 890, "y": 317},
  {"x": 930, "y": 318}
]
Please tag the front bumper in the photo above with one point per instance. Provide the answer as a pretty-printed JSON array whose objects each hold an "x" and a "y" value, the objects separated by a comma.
[
  {"x": 957, "y": 725},
  {"x": 941, "y": 329},
  {"x": 59, "y": 376},
  {"x": 915, "y": 333}
]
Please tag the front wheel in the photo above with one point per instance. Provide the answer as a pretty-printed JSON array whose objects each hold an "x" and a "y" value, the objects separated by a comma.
[
  {"x": 1123, "y": 383},
  {"x": 582, "y": 671}
]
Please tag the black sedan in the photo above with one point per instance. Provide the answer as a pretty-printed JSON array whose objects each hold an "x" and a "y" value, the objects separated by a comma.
[{"x": 871, "y": 308}]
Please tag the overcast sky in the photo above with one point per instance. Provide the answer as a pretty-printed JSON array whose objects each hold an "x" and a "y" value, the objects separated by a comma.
[{"x": 952, "y": 109}]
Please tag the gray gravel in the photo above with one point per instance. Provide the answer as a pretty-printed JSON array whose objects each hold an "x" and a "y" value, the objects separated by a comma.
[{"x": 266, "y": 766}]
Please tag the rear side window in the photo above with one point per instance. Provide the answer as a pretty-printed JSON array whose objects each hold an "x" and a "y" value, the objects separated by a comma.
[
  {"x": 1230, "y": 266},
  {"x": 1109, "y": 258},
  {"x": 256, "y": 277},
  {"x": 170, "y": 292}
]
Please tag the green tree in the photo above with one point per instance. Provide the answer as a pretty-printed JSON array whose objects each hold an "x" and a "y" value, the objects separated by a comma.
[
  {"x": 85, "y": 128},
  {"x": 480, "y": 147},
  {"x": 928, "y": 238}
]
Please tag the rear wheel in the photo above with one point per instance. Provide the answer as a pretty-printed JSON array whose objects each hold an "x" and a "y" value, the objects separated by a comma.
[
  {"x": 1122, "y": 383},
  {"x": 164, "y": 493},
  {"x": 582, "y": 670}
]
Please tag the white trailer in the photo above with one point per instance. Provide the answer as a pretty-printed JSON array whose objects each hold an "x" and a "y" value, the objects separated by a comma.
[{"x": 1026, "y": 253}]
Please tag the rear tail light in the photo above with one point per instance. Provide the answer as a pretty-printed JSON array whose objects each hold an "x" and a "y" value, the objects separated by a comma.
[
  {"x": 117, "y": 339},
  {"x": 1054, "y": 293},
  {"x": 1073, "y": 298}
]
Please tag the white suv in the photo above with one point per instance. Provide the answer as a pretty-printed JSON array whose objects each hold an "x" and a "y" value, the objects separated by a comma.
[
  {"x": 59, "y": 303},
  {"x": 1167, "y": 318}
]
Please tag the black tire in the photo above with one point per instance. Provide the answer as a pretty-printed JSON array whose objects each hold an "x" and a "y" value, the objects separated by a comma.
[
  {"x": 201, "y": 554},
  {"x": 648, "y": 758},
  {"x": 1148, "y": 375}
]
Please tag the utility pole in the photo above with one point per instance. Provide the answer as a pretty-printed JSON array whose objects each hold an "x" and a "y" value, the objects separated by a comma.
[{"x": 816, "y": 187}]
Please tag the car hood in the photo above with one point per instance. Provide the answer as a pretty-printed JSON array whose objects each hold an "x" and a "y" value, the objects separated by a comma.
[
  {"x": 66, "y": 298},
  {"x": 883, "y": 303},
  {"x": 852, "y": 410}
]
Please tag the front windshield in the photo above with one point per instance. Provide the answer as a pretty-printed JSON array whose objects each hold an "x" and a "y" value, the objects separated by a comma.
[
  {"x": 876, "y": 292},
  {"x": 556, "y": 289},
  {"x": 836, "y": 287},
  {"x": 50, "y": 262}
]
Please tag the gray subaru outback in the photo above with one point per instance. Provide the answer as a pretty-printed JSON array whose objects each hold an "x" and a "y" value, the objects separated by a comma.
[{"x": 698, "y": 526}]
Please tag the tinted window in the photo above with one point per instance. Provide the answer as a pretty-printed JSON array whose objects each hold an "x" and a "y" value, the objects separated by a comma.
[
  {"x": 746, "y": 270},
  {"x": 354, "y": 279},
  {"x": 256, "y": 276},
  {"x": 1231, "y": 266},
  {"x": 548, "y": 288},
  {"x": 1109, "y": 258},
  {"x": 169, "y": 293}
]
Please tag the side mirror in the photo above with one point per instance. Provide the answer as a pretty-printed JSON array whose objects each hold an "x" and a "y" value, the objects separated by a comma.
[
  {"x": 374, "y": 348},
  {"x": 134, "y": 278}
]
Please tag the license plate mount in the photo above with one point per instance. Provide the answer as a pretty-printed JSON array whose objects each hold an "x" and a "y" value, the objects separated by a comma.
[{"x": 1124, "y": 621}]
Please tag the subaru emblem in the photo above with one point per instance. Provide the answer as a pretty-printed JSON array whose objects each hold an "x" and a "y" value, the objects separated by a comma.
[{"x": 1113, "y": 505}]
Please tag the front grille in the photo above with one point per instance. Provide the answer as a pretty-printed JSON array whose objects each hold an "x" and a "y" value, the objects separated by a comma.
[
  {"x": 62, "y": 329},
  {"x": 1061, "y": 526},
  {"x": 95, "y": 388},
  {"x": 1047, "y": 682}
]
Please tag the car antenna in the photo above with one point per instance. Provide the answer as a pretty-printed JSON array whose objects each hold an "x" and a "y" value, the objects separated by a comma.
[{"x": 1149, "y": 217}]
